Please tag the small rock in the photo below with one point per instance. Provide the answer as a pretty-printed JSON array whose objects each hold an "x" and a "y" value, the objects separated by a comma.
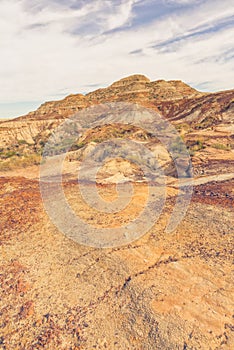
[{"x": 27, "y": 309}]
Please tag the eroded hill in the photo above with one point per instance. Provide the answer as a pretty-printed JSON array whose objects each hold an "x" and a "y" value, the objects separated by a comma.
[
  {"x": 162, "y": 291},
  {"x": 205, "y": 120}
]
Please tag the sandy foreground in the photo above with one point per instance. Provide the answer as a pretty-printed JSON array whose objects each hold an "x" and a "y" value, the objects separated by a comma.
[{"x": 162, "y": 291}]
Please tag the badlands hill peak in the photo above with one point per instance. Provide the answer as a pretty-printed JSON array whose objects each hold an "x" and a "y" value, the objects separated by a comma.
[
  {"x": 144, "y": 82},
  {"x": 136, "y": 78},
  {"x": 135, "y": 88}
]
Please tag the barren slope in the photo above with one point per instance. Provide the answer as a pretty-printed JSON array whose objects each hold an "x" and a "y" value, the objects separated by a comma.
[{"x": 163, "y": 291}]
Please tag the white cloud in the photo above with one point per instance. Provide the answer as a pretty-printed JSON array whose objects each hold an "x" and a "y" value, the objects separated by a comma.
[
  {"x": 182, "y": 2},
  {"x": 56, "y": 47}
]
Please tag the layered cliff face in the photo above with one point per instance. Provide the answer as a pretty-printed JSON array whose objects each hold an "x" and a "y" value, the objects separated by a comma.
[
  {"x": 174, "y": 99},
  {"x": 58, "y": 109},
  {"x": 139, "y": 88},
  {"x": 17, "y": 131},
  {"x": 204, "y": 119}
]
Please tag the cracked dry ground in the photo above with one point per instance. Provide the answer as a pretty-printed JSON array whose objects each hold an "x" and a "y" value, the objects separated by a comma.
[{"x": 164, "y": 291}]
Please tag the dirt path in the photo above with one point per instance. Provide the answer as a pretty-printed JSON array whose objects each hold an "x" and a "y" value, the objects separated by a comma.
[
  {"x": 71, "y": 168},
  {"x": 204, "y": 179}
]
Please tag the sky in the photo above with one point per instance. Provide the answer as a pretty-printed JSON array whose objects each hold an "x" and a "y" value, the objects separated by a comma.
[{"x": 52, "y": 48}]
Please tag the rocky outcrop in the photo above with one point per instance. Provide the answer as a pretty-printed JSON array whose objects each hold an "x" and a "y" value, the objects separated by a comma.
[
  {"x": 176, "y": 100},
  {"x": 25, "y": 131},
  {"x": 58, "y": 109},
  {"x": 138, "y": 88},
  {"x": 204, "y": 119}
]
